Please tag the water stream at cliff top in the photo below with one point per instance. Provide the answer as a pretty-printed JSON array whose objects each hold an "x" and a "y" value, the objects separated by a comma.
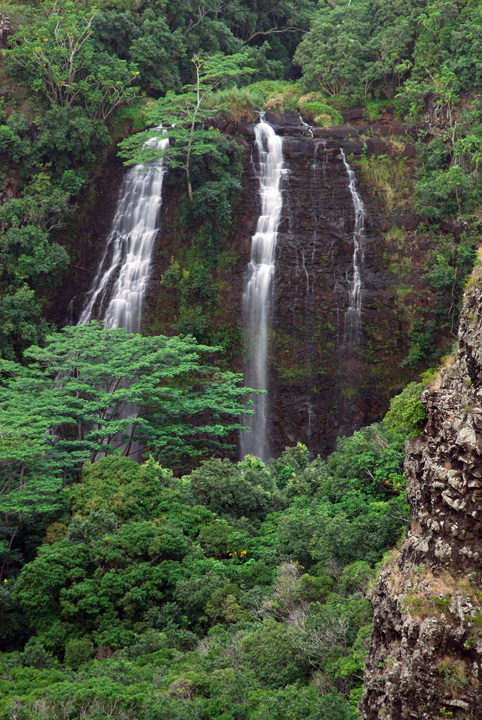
[
  {"x": 118, "y": 289},
  {"x": 353, "y": 312},
  {"x": 258, "y": 286}
]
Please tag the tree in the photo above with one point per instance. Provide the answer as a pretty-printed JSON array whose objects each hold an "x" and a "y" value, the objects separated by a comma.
[
  {"x": 21, "y": 321},
  {"x": 118, "y": 559},
  {"x": 29, "y": 258},
  {"x": 268, "y": 18},
  {"x": 407, "y": 415},
  {"x": 447, "y": 193},
  {"x": 76, "y": 398},
  {"x": 220, "y": 486},
  {"x": 187, "y": 114},
  {"x": 101, "y": 579},
  {"x": 57, "y": 57},
  {"x": 333, "y": 53}
]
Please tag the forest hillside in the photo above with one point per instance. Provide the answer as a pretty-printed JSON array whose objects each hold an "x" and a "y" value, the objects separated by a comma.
[{"x": 146, "y": 571}]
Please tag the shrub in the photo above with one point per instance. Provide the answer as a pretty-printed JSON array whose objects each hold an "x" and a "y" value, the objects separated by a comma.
[
  {"x": 219, "y": 485},
  {"x": 322, "y": 113},
  {"x": 407, "y": 414},
  {"x": 445, "y": 193},
  {"x": 279, "y": 95},
  {"x": 239, "y": 103},
  {"x": 78, "y": 652},
  {"x": 36, "y": 656}
]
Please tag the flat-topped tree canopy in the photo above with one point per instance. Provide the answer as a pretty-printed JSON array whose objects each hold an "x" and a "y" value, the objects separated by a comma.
[{"x": 93, "y": 391}]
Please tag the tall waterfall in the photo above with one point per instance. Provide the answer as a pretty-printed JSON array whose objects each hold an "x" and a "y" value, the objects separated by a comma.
[
  {"x": 118, "y": 289},
  {"x": 353, "y": 312},
  {"x": 258, "y": 287}
]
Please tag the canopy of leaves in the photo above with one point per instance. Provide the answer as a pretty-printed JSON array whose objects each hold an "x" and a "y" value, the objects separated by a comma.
[
  {"x": 92, "y": 391},
  {"x": 147, "y": 574},
  {"x": 58, "y": 58},
  {"x": 232, "y": 590},
  {"x": 354, "y": 48}
]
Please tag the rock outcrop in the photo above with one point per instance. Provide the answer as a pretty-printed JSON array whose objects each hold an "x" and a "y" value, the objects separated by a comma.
[
  {"x": 425, "y": 660},
  {"x": 320, "y": 385},
  {"x": 6, "y": 29}
]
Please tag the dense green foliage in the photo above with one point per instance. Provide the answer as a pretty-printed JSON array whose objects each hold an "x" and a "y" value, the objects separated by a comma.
[
  {"x": 58, "y": 58},
  {"x": 422, "y": 56},
  {"x": 93, "y": 391},
  {"x": 404, "y": 47},
  {"x": 233, "y": 592}
]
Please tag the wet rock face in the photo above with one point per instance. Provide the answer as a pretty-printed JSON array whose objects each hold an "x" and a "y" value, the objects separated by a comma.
[
  {"x": 84, "y": 240},
  {"x": 322, "y": 383},
  {"x": 426, "y": 654},
  {"x": 314, "y": 269},
  {"x": 321, "y": 386}
]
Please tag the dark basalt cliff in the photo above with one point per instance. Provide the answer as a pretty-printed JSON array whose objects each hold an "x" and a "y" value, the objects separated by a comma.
[
  {"x": 85, "y": 239},
  {"x": 425, "y": 660},
  {"x": 321, "y": 386}
]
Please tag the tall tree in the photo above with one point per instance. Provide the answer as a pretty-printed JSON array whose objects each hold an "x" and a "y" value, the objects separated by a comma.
[
  {"x": 187, "y": 114},
  {"x": 75, "y": 400}
]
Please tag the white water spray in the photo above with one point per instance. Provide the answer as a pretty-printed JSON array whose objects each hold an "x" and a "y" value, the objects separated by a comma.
[
  {"x": 353, "y": 312},
  {"x": 258, "y": 288},
  {"x": 118, "y": 289}
]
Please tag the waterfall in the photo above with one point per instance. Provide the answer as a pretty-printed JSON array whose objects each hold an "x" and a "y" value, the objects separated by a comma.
[
  {"x": 118, "y": 289},
  {"x": 117, "y": 292},
  {"x": 258, "y": 286},
  {"x": 306, "y": 126},
  {"x": 353, "y": 312}
]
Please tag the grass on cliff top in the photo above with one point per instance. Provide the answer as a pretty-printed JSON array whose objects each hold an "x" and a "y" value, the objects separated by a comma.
[{"x": 241, "y": 103}]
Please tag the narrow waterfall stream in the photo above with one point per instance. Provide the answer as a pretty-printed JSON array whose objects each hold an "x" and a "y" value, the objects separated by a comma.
[
  {"x": 118, "y": 289},
  {"x": 258, "y": 287},
  {"x": 353, "y": 312}
]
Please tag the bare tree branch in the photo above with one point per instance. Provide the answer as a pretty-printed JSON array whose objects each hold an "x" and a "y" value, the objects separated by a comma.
[{"x": 289, "y": 28}]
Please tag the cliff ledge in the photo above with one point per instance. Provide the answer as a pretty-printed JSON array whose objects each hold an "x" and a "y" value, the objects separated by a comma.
[{"x": 425, "y": 660}]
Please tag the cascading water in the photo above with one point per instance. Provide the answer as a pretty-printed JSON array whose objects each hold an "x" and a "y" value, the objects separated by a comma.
[
  {"x": 306, "y": 126},
  {"x": 353, "y": 312},
  {"x": 118, "y": 289},
  {"x": 258, "y": 287}
]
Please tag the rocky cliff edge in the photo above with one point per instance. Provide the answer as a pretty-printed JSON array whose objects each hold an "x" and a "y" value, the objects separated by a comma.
[{"x": 425, "y": 660}]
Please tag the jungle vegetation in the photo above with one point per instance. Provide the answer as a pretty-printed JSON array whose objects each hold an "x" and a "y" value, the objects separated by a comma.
[{"x": 191, "y": 587}]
